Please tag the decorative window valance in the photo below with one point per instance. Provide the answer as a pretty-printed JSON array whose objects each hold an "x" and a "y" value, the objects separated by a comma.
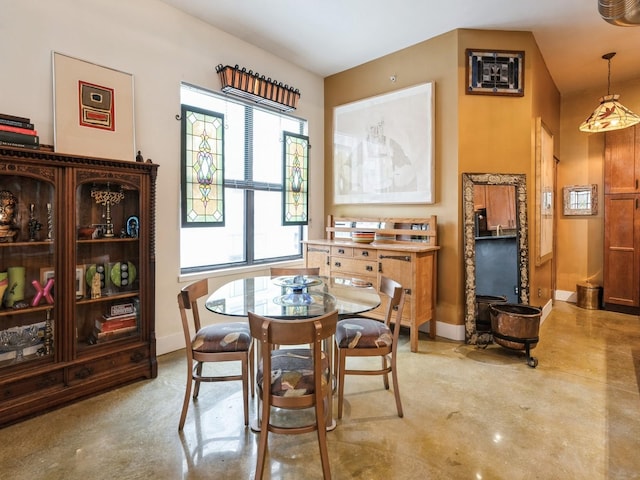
[{"x": 255, "y": 87}]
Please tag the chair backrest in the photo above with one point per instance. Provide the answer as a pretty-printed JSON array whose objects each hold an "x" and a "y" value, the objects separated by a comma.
[
  {"x": 188, "y": 300},
  {"x": 395, "y": 292},
  {"x": 293, "y": 332},
  {"x": 282, "y": 271}
]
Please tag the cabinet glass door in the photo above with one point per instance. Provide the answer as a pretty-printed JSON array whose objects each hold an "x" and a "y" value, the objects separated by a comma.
[
  {"x": 107, "y": 262},
  {"x": 28, "y": 315}
]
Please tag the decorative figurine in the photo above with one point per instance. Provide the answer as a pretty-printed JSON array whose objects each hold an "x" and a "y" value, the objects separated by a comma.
[
  {"x": 8, "y": 205},
  {"x": 139, "y": 157},
  {"x": 42, "y": 292},
  {"x": 95, "y": 286},
  {"x": 49, "y": 223},
  {"x": 107, "y": 198},
  {"x": 34, "y": 225}
]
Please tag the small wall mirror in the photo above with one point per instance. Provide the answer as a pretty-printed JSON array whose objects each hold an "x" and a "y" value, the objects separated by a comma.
[{"x": 580, "y": 199}]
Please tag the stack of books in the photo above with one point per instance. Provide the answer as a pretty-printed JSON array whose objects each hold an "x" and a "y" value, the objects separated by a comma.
[
  {"x": 18, "y": 132},
  {"x": 111, "y": 327}
]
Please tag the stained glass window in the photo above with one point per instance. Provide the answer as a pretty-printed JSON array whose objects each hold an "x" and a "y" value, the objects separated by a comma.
[
  {"x": 296, "y": 179},
  {"x": 202, "y": 168}
]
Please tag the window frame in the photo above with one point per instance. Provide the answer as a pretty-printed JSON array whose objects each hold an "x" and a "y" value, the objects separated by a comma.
[{"x": 247, "y": 185}]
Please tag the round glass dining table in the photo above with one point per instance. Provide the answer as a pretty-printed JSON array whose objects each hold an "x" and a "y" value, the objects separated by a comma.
[{"x": 293, "y": 296}]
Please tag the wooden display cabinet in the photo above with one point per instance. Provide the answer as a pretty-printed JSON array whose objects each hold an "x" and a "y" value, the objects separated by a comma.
[{"x": 80, "y": 334}]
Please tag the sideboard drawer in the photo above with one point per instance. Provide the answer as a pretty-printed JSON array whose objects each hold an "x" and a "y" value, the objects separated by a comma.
[
  {"x": 365, "y": 253},
  {"x": 353, "y": 266},
  {"x": 340, "y": 251}
]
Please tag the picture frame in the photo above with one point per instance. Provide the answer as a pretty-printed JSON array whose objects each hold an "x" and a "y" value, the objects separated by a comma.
[
  {"x": 490, "y": 72},
  {"x": 544, "y": 209},
  {"x": 80, "y": 281},
  {"x": 93, "y": 109},
  {"x": 383, "y": 148},
  {"x": 45, "y": 274},
  {"x": 580, "y": 200}
]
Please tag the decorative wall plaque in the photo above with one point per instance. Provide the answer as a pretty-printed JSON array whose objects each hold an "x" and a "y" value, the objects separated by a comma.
[{"x": 495, "y": 73}]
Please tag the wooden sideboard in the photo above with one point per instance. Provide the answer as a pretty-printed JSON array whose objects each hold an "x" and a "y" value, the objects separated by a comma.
[{"x": 405, "y": 249}]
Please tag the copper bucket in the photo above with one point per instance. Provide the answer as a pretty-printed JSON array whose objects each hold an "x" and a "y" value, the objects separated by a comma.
[
  {"x": 483, "y": 314},
  {"x": 516, "y": 327}
]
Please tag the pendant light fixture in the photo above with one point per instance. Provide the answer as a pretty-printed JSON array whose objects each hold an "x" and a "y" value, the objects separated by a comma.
[{"x": 610, "y": 114}]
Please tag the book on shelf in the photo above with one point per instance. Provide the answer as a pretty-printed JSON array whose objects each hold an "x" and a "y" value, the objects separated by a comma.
[
  {"x": 15, "y": 118},
  {"x": 109, "y": 325},
  {"x": 16, "y": 123},
  {"x": 19, "y": 138},
  {"x": 19, "y": 145},
  {"x": 11, "y": 128},
  {"x": 99, "y": 337}
]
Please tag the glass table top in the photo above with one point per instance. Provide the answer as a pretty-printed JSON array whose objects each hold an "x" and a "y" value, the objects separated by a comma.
[{"x": 293, "y": 296}]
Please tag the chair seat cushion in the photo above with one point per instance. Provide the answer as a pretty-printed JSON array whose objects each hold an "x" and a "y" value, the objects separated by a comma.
[
  {"x": 363, "y": 333},
  {"x": 222, "y": 337},
  {"x": 292, "y": 372}
]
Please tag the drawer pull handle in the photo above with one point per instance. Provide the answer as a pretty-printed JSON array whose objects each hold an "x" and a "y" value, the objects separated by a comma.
[
  {"x": 84, "y": 372},
  {"x": 365, "y": 253},
  {"x": 369, "y": 268},
  {"x": 405, "y": 258},
  {"x": 341, "y": 251},
  {"x": 337, "y": 264}
]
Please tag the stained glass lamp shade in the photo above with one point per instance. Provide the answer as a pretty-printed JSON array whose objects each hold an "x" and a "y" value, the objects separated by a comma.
[{"x": 610, "y": 114}]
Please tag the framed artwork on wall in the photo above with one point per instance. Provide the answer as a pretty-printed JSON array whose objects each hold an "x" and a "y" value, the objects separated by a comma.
[
  {"x": 93, "y": 109},
  {"x": 495, "y": 73},
  {"x": 383, "y": 149}
]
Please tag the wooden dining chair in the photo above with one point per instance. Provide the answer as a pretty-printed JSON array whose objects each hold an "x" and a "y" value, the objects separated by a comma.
[
  {"x": 367, "y": 337},
  {"x": 282, "y": 271},
  {"x": 295, "y": 378},
  {"x": 218, "y": 342}
]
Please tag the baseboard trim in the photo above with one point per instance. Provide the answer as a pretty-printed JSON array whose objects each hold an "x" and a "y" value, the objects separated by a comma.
[{"x": 566, "y": 296}]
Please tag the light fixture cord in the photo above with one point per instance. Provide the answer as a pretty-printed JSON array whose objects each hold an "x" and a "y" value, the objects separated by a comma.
[{"x": 609, "y": 77}]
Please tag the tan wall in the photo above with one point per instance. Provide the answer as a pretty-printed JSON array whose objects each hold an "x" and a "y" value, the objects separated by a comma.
[
  {"x": 580, "y": 246},
  {"x": 472, "y": 134},
  {"x": 432, "y": 61}
]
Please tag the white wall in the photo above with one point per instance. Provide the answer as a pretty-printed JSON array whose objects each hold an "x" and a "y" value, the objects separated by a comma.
[{"x": 161, "y": 47}]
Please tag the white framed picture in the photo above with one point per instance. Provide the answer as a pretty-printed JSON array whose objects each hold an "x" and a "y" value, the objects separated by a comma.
[
  {"x": 93, "y": 109},
  {"x": 383, "y": 150}
]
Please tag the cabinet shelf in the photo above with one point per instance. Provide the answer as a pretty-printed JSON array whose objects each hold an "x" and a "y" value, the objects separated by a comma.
[
  {"x": 25, "y": 244},
  {"x": 108, "y": 298},
  {"x": 6, "y": 312},
  {"x": 107, "y": 240}
]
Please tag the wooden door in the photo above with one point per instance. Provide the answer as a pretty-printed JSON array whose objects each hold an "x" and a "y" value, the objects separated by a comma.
[
  {"x": 621, "y": 247},
  {"x": 622, "y": 161}
]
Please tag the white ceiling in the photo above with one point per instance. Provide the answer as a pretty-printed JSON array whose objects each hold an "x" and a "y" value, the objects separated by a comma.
[{"x": 329, "y": 36}]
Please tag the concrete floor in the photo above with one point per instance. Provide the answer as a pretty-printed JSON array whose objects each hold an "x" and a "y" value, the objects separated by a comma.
[{"x": 469, "y": 414}]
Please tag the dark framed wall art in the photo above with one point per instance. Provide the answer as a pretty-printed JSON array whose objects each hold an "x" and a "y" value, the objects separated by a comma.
[{"x": 495, "y": 73}]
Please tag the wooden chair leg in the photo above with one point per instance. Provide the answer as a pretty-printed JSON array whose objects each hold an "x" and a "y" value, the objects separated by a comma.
[
  {"x": 245, "y": 390},
  {"x": 196, "y": 390},
  {"x": 187, "y": 398},
  {"x": 385, "y": 376},
  {"x": 322, "y": 435},
  {"x": 342, "y": 361},
  {"x": 396, "y": 388},
  {"x": 264, "y": 433}
]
